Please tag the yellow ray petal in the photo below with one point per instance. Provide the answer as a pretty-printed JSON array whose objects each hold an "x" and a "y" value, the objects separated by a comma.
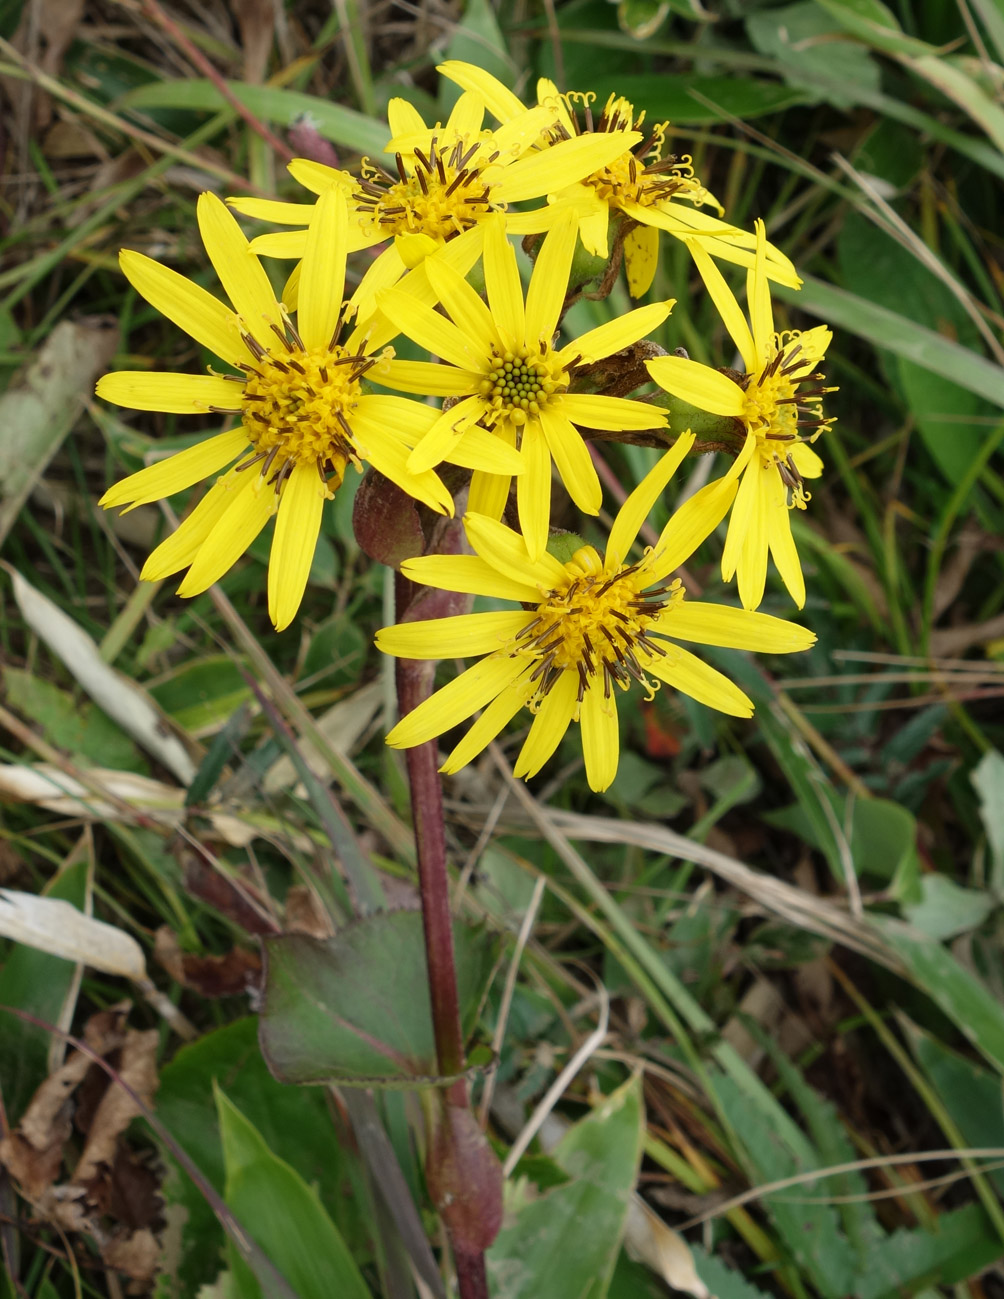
[
  {"x": 431, "y": 330},
  {"x": 512, "y": 139},
  {"x": 240, "y": 271},
  {"x": 181, "y": 394},
  {"x": 507, "y": 551},
  {"x": 318, "y": 176},
  {"x": 751, "y": 570},
  {"x": 548, "y": 93},
  {"x": 502, "y": 283},
  {"x": 592, "y": 410},
  {"x": 573, "y": 461},
  {"x": 533, "y": 490},
  {"x": 454, "y": 702},
  {"x": 697, "y": 384},
  {"x": 600, "y": 736},
  {"x": 698, "y": 516},
  {"x": 814, "y": 343},
  {"x": 640, "y": 503},
  {"x": 479, "y": 449},
  {"x": 385, "y": 271},
  {"x": 458, "y": 637},
  {"x": 270, "y": 209},
  {"x": 720, "y": 624},
  {"x": 578, "y": 199},
  {"x": 445, "y": 434},
  {"x": 177, "y": 472},
  {"x": 466, "y": 116},
  {"x": 397, "y": 417},
  {"x": 322, "y": 276},
  {"x": 739, "y": 523},
  {"x": 468, "y": 573},
  {"x": 499, "y": 712},
  {"x": 466, "y": 309},
  {"x": 718, "y": 238},
  {"x": 179, "y": 549},
  {"x": 291, "y": 289},
  {"x": 280, "y": 243},
  {"x": 488, "y": 494},
  {"x": 498, "y": 99},
  {"x": 758, "y": 293},
  {"x": 686, "y": 672},
  {"x": 556, "y": 711},
  {"x": 190, "y": 307},
  {"x": 403, "y": 118},
  {"x": 545, "y": 296},
  {"x": 806, "y": 460},
  {"x": 617, "y": 334},
  {"x": 594, "y": 230},
  {"x": 252, "y": 506},
  {"x": 641, "y": 259},
  {"x": 296, "y": 529},
  {"x": 563, "y": 164},
  {"x": 389, "y": 455},
  {"x": 725, "y": 301},
  {"x": 782, "y": 545},
  {"x": 428, "y": 378}
]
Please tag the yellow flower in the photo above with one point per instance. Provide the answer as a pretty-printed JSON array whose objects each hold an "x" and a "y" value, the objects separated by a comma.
[
  {"x": 503, "y": 371},
  {"x": 779, "y": 399},
  {"x": 585, "y": 630},
  {"x": 448, "y": 180},
  {"x": 650, "y": 187},
  {"x": 303, "y": 413}
]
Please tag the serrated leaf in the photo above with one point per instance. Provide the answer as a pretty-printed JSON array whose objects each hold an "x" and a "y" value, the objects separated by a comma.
[
  {"x": 564, "y": 1243},
  {"x": 960, "y": 995},
  {"x": 962, "y": 1245},
  {"x": 355, "y": 1009}
]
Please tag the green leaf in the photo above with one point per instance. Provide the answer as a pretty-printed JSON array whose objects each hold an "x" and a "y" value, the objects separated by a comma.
[
  {"x": 894, "y": 331},
  {"x": 202, "y": 694},
  {"x": 81, "y": 728},
  {"x": 293, "y": 1121},
  {"x": 284, "y": 1215},
  {"x": 970, "y": 1094},
  {"x": 38, "y": 983},
  {"x": 776, "y": 1148},
  {"x": 564, "y": 1243},
  {"x": 803, "y": 40},
  {"x": 988, "y": 778},
  {"x": 959, "y": 994},
  {"x": 954, "y": 83},
  {"x": 354, "y": 1009},
  {"x": 962, "y": 1245},
  {"x": 694, "y": 100},
  {"x": 946, "y": 909},
  {"x": 872, "y": 22},
  {"x": 477, "y": 39},
  {"x": 273, "y": 104},
  {"x": 721, "y": 1280}
]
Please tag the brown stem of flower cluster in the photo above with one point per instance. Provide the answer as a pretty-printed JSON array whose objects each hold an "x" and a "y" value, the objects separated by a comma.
[{"x": 462, "y": 1172}]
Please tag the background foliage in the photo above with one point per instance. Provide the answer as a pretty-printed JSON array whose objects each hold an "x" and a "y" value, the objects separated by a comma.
[{"x": 769, "y": 957}]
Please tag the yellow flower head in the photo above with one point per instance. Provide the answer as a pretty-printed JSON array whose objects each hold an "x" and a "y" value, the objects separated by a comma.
[
  {"x": 303, "y": 413},
  {"x": 445, "y": 180},
  {"x": 586, "y": 630},
  {"x": 779, "y": 400},
  {"x": 505, "y": 374},
  {"x": 653, "y": 189}
]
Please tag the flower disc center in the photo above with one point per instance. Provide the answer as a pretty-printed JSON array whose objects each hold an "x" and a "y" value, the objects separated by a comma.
[
  {"x": 296, "y": 408},
  {"x": 596, "y": 624},
  {"x": 440, "y": 194},
  {"x": 517, "y": 384}
]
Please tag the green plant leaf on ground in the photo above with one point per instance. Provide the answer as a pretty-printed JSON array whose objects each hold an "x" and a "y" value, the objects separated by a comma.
[
  {"x": 564, "y": 1242},
  {"x": 293, "y": 1121},
  {"x": 354, "y": 1009},
  {"x": 284, "y": 1215},
  {"x": 274, "y": 104},
  {"x": 971, "y": 1094},
  {"x": 801, "y": 37},
  {"x": 723, "y": 1281},
  {"x": 963, "y": 998},
  {"x": 39, "y": 983},
  {"x": 988, "y": 780},
  {"x": 776, "y": 1148},
  {"x": 946, "y": 909},
  {"x": 694, "y": 100},
  {"x": 961, "y": 1246}
]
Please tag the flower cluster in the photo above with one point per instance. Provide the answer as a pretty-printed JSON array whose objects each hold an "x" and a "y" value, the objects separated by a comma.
[{"x": 304, "y": 393}]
